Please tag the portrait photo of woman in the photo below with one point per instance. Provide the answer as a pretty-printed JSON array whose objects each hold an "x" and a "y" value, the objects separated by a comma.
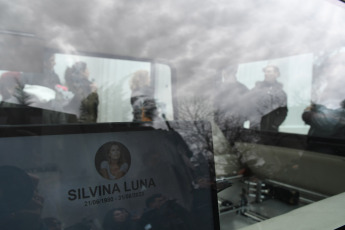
[{"x": 113, "y": 160}]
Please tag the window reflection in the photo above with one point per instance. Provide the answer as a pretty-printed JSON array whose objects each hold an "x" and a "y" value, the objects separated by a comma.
[
  {"x": 267, "y": 102},
  {"x": 10, "y": 83},
  {"x": 295, "y": 81},
  {"x": 85, "y": 89},
  {"x": 142, "y": 99},
  {"x": 326, "y": 114},
  {"x": 229, "y": 107},
  {"x": 84, "y": 103}
]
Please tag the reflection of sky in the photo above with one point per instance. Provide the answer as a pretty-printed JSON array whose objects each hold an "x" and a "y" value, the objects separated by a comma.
[{"x": 197, "y": 38}]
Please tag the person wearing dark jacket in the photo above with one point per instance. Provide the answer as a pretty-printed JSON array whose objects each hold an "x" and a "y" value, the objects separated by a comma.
[
  {"x": 142, "y": 97},
  {"x": 325, "y": 122},
  {"x": 85, "y": 101},
  {"x": 164, "y": 214},
  {"x": 267, "y": 102},
  {"x": 119, "y": 219}
]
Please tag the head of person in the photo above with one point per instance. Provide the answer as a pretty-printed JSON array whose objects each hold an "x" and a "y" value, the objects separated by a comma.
[
  {"x": 77, "y": 78},
  {"x": 115, "y": 153},
  {"x": 155, "y": 201},
  {"x": 115, "y": 218},
  {"x": 20, "y": 203},
  {"x": 120, "y": 215},
  {"x": 271, "y": 73},
  {"x": 80, "y": 69},
  {"x": 140, "y": 79}
]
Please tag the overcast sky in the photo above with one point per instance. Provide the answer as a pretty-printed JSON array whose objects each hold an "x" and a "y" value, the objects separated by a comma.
[{"x": 197, "y": 37}]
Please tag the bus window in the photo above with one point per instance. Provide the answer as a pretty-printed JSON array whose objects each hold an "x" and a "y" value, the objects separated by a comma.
[
  {"x": 80, "y": 87},
  {"x": 267, "y": 76}
]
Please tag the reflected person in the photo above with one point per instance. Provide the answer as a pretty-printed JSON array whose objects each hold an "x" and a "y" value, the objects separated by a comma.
[
  {"x": 325, "y": 122},
  {"x": 267, "y": 102},
  {"x": 20, "y": 203},
  {"x": 115, "y": 166},
  {"x": 326, "y": 115},
  {"x": 142, "y": 97},
  {"x": 229, "y": 106},
  {"x": 165, "y": 214},
  {"x": 43, "y": 90},
  {"x": 85, "y": 100},
  {"x": 119, "y": 219},
  {"x": 49, "y": 78}
]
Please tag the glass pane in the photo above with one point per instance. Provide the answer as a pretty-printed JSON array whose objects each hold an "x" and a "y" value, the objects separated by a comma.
[
  {"x": 79, "y": 88},
  {"x": 163, "y": 93},
  {"x": 267, "y": 75}
]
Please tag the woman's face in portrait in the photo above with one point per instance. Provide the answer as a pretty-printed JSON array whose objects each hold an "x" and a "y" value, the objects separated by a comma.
[
  {"x": 114, "y": 152},
  {"x": 120, "y": 216}
]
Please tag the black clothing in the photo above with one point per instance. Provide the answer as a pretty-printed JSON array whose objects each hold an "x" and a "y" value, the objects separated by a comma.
[
  {"x": 325, "y": 122},
  {"x": 85, "y": 102},
  {"x": 15, "y": 114},
  {"x": 272, "y": 120},
  {"x": 268, "y": 106},
  {"x": 18, "y": 207},
  {"x": 89, "y": 109},
  {"x": 202, "y": 209},
  {"x": 170, "y": 216}
]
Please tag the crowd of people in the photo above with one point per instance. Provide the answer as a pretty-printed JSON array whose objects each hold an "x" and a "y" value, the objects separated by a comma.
[
  {"x": 77, "y": 98},
  {"x": 265, "y": 105}
]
